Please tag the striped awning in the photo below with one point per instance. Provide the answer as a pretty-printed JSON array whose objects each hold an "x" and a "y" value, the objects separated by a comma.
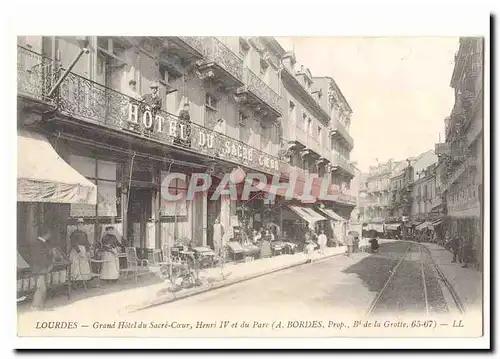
[
  {"x": 423, "y": 226},
  {"x": 332, "y": 214},
  {"x": 437, "y": 222},
  {"x": 393, "y": 227},
  {"x": 307, "y": 214},
  {"x": 43, "y": 176}
]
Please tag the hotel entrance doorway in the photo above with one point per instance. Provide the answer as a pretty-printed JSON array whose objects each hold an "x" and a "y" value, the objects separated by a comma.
[{"x": 139, "y": 214}]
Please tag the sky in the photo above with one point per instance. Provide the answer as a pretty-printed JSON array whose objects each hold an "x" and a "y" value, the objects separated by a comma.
[{"x": 398, "y": 88}]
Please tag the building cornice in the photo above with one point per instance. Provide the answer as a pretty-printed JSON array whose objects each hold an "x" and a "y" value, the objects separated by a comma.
[
  {"x": 303, "y": 94},
  {"x": 338, "y": 91}
]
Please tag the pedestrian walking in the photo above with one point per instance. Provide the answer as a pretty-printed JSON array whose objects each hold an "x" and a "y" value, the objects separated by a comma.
[
  {"x": 322, "y": 242},
  {"x": 467, "y": 254},
  {"x": 310, "y": 251},
  {"x": 455, "y": 249},
  {"x": 349, "y": 243},
  {"x": 218, "y": 232},
  {"x": 42, "y": 261},
  {"x": 374, "y": 245}
]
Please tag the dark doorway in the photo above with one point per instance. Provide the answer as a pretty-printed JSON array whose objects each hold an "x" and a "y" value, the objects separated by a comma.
[
  {"x": 213, "y": 211},
  {"x": 139, "y": 212}
]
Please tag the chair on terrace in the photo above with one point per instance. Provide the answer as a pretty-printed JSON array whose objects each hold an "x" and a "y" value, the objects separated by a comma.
[{"x": 135, "y": 265}]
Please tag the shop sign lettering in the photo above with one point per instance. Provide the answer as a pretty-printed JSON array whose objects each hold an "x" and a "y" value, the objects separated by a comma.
[{"x": 203, "y": 139}]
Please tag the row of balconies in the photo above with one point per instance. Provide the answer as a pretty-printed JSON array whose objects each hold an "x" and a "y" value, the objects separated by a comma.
[
  {"x": 378, "y": 202},
  {"x": 378, "y": 188},
  {"x": 85, "y": 100},
  {"x": 218, "y": 61},
  {"x": 81, "y": 98},
  {"x": 309, "y": 143}
]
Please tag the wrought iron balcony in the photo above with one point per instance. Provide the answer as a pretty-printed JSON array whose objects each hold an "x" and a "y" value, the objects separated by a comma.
[
  {"x": 339, "y": 163},
  {"x": 260, "y": 94},
  {"x": 81, "y": 100},
  {"x": 220, "y": 63},
  {"x": 346, "y": 199},
  {"x": 338, "y": 131},
  {"x": 181, "y": 51},
  {"x": 442, "y": 149},
  {"x": 35, "y": 74},
  {"x": 197, "y": 43}
]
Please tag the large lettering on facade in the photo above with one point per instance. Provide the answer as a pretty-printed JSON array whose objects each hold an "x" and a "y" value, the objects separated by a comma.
[{"x": 203, "y": 139}]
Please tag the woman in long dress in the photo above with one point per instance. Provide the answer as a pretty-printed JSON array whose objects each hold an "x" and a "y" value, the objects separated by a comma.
[
  {"x": 111, "y": 266},
  {"x": 79, "y": 254}
]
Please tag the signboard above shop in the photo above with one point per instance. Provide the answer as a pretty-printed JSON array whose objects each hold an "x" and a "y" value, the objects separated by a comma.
[{"x": 170, "y": 129}]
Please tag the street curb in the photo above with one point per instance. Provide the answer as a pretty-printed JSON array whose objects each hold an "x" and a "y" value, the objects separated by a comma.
[{"x": 216, "y": 285}]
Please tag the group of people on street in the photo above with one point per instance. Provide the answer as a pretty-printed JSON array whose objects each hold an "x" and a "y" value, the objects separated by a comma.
[
  {"x": 44, "y": 254},
  {"x": 462, "y": 251}
]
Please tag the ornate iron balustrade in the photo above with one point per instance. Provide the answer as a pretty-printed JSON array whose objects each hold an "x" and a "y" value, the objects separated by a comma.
[
  {"x": 342, "y": 162},
  {"x": 86, "y": 100},
  {"x": 196, "y": 42},
  {"x": 215, "y": 51},
  {"x": 337, "y": 126},
  {"x": 35, "y": 74},
  {"x": 260, "y": 89},
  {"x": 346, "y": 198}
]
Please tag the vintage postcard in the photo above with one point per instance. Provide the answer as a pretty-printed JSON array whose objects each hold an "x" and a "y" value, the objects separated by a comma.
[{"x": 224, "y": 187}]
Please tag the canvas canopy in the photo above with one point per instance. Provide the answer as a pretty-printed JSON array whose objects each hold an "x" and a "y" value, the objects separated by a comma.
[{"x": 43, "y": 176}]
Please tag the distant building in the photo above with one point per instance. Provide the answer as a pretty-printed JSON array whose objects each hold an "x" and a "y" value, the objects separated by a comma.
[
  {"x": 401, "y": 188},
  {"x": 460, "y": 166},
  {"x": 378, "y": 192},
  {"x": 424, "y": 188}
]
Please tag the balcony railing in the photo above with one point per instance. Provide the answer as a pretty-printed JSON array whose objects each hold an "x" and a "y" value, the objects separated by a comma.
[
  {"x": 338, "y": 160},
  {"x": 262, "y": 90},
  {"x": 313, "y": 144},
  {"x": 218, "y": 53},
  {"x": 34, "y": 74},
  {"x": 85, "y": 100},
  {"x": 338, "y": 129},
  {"x": 196, "y": 42}
]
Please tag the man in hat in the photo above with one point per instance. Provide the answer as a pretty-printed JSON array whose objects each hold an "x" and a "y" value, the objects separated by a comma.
[
  {"x": 184, "y": 132},
  {"x": 135, "y": 99},
  {"x": 42, "y": 261},
  {"x": 153, "y": 102}
]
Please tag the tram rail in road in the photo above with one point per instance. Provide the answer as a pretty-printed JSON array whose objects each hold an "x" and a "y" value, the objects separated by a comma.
[{"x": 424, "y": 253}]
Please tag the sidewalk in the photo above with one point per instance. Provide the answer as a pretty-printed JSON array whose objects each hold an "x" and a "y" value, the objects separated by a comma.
[
  {"x": 467, "y": 282},
  {"x": 233, "y": 273},
  {"x": 126, "y": 295}
]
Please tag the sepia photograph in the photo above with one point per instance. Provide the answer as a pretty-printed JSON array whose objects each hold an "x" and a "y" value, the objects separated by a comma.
[{"x": 250, "y": 186}]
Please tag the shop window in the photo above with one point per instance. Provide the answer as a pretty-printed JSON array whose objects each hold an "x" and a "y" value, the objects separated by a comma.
[
  {"x": 178, "y": 208},
  {"x": 211, "y": 102},
  {"x": 103, "y": 174}
]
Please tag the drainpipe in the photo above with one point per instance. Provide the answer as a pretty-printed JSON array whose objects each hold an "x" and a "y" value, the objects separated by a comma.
[{"x": 83, "y": 50}]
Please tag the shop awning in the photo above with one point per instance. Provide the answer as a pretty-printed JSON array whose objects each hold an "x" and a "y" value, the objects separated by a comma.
[
  {"x": 422, "y": 226},
  {"x": 332, "y": 214},
  {"x": 392, "y": 227},
  {"x": 435, "y": 223},
  {"x": 313, "y": 194},
  {"x": 307, "y": 214},
  {"x": 43, "y": 176}
]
